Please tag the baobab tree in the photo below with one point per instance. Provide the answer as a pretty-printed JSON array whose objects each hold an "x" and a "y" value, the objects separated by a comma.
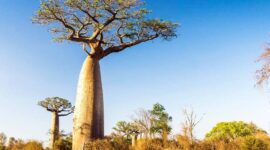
[
  {"x": 106, "y": 27},
  {"x": 128, "y": 130},
  {"x": 59, "y": 107}
]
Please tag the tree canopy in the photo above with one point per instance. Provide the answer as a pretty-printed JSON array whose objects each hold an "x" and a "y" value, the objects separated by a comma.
[
  {"x": 126, "y": 128},
  {"x": 57, "y": 104},
  {"x": 228, "y": 131},
  {"x": 107, "y": 26},
  {"x": 160, "y": 120}
]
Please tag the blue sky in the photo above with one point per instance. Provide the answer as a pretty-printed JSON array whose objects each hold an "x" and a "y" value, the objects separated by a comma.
[{"x": 210, "y": 66}]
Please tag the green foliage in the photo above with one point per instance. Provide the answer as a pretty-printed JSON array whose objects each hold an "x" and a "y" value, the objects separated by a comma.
[
  {"x": 126, "y": 129},
  {"x": 57, "y": 104},
  {"x": 114, "y": 22},
  {"x": 228, "y": 131},
  {"x": 258, "y": 141},
  {"x": 160, "y": 120},
  {"x": 122, "y": 128},
  {"x": 253, "y": 143}
]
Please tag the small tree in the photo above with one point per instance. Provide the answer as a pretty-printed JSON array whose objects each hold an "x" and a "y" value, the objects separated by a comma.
[
  {"x": 129, "y": 130},
  {"x": 106, "y": 27},
  {"x": 122, "y": 128},
  {"x": 143, "y": 122},
  {"x": 188, "y": 126},
  {"x": 59, "y": 107},
  {"x": 160, "y": 121}
]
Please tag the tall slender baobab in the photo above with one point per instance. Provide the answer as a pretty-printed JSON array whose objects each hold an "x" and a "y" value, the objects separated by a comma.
[
  {"x": 106, "y": 27},
  {"x": 58, "y": 107}
]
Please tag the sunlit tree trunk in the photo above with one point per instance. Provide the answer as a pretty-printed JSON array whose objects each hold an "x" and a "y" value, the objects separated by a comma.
[
  {"x": 89, "y": 113},
  {"x": 165, "y": 137},
  {"x": 134, "y": 140},
  {"x": 54, "y": 129}
]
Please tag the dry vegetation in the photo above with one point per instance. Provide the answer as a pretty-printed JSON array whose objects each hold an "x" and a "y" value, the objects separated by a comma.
[
  {"x": 150, "y": 130},
  {"x": 111, "y": 26}
]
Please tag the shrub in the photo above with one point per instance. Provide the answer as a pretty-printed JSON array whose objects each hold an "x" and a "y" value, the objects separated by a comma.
[
  {"x": 229, "y": 131},
  {"x": 33, "y": 145},
  {"x": 253, "y": 143},
  {"x": 64, "y": 144},
  {"x": 173, "y": 145},
  {"x": 15, "y": 144},
  {"x": 98, "y": 145},
  {"x": 153, "y": 144},
  {"x": 205, "y": 145},
  {"x": 183, "y": 141},
  {"x": 119, "y": 143}
]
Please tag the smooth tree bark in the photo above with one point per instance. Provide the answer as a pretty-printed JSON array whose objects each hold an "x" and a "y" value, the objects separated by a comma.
[
  {"x": 89, "y": 120},
  {"x": 54, "y": 129},
  {"x": 58, "y": 107},
  {"x": 106, "y": 27}
]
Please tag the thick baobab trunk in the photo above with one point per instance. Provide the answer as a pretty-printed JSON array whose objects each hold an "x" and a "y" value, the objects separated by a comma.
[
  {"x": 88, "y": 121},
  {"x": 54, "y": 129}
]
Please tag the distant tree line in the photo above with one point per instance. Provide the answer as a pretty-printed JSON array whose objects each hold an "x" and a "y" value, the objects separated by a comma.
[{"x": 151, "y": 130}]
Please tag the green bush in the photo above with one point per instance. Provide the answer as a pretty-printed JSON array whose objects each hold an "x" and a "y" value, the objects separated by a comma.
[{"x": 229, "y": 131}]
